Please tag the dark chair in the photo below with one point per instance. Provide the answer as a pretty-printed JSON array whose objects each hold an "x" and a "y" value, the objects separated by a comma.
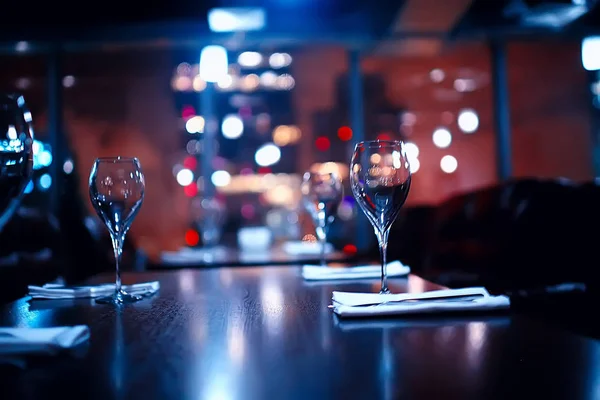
[{"x": 29, "y": 252}]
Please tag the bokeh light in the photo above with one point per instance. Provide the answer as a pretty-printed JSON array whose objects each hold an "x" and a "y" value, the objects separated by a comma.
[
  {"x": 442, "y": 138},
  {"x": 449, "y": 164},
  {"x": 344, "y": 133},
  {"x": 468, "y": 121},
  {"x": 192, "y": 238},
  {"x": 267, "y": 155},
  {"x": 322, "y": 143}
]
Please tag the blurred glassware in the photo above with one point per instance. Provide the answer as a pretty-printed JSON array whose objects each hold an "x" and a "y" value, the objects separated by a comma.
[
  {"x": 16, "y": 153},
  {"x": 380, "y": 180},
  {"x": 210, "y": 215},
  {"x": 117, "y": 191},
  {"x": 321, "y": 196}
]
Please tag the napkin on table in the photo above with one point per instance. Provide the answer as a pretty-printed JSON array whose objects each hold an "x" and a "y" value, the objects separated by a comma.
[
  {"x": 305, "y": 248},
  {"x": 314, "y": 272},
  {"x": 56, "y": 291},
  {"x": 348, "y": 304},
  {"x": 18, "y": 341}
]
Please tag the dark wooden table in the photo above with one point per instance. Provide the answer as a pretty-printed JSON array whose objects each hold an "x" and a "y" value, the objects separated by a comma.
[{"x": 264, "y": 333}]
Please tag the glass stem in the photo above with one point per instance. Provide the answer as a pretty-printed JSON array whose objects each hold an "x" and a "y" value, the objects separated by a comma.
[
  {"x": 382, "y": 238},
  {"x": 323, "y": 242},
  {"x": 118, "y": 249}
]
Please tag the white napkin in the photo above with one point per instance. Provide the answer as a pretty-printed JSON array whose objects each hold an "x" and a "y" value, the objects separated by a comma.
[
  {"x": 315, "y": 272},
  {"x": 56, "y": 291},
  {"x": 41, "y": 340},
  {"x": 187, "y": 255},
  {"x": 345, "y": 304},
  {"x": 303, "y": 247}
]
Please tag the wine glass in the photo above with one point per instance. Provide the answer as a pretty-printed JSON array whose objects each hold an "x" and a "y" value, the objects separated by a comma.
[
  {"x": 117, "y": 191},
  {"x": 16, "y": 154},
  {"x": 321, "y": 196},
  {"x": 380, "y": 181},
  {"x": 210, "y": 215}
]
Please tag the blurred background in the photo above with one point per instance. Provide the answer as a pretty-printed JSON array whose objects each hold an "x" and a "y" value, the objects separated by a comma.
[{"x": 481, "y": 90}]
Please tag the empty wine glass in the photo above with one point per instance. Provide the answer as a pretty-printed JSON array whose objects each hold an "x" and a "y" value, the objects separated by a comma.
[
  {"x": 117, "y": 191},
  {"x": 210, "y": 215},
  {"x": 16, "y": 154},
  {"x": 321, "y": 196},
  {"x": 380, "y": 181}
]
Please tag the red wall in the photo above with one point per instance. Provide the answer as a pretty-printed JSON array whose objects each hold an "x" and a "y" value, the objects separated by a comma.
[{"x": 549, "y": 109}]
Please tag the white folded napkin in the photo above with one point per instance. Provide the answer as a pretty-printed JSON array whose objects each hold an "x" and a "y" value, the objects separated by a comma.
[
  {"x": 57, "y": 291},
  {"x": 303, "y": 247},
  {"x": 348, "y": 304},
  {"x": 41, "y": 340},
  {"x": 317, "y": 272},
  {"x": 188, "y": 255}
]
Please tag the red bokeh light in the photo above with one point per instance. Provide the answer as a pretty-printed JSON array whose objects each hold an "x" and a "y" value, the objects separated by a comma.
[
  {"x": 192, "y": 238},
  {"x": 188, "y": 112},
  {"x": 264, "y": 170},
  {"x": 350, "y": 249},
  {"x": 322, "y": 143},
  {"x": 190, "y": 163},
  {"x": 345, "y": 133},
  {"x": 191, "y": 190},
  {"x": 384, "y": 136}
]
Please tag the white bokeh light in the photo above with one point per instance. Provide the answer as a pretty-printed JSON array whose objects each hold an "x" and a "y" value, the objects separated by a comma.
[
  {"x": 590, "y": 53},
  {"x": 280, "y": 60},
  {"x": 442, "y": 138},
  {"x": 68, "y": 167},
  {"x": 11, "y": 132},
  {"x": 414, "y": 165},
  {"x": 250, "y": 59},
  {"x": 220, "y": 178},
  {"x": 267, "y": 155},
  {"x": 411, "y": 150},
  {"x": 213, "y": 63},
  {"x": 449, "y": 164},
  {"x": 232, "y": 126},
  {"x": 68, "y": 81},
  {"x": 468, "y": 121},
  {"x": 195, "y": 125},
  {"x": 185, "y": 177}
]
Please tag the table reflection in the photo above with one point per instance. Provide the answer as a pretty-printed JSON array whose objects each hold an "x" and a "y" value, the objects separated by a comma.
[{"x": 118, "y": 365}]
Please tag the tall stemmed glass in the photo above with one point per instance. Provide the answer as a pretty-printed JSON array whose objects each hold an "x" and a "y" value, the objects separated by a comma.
[
  {"x": 380, "y": 181},
  {"x": 117, "y": 191},
  {"x": 321, "y": 195},
  {"x": 16, "y": 154}
]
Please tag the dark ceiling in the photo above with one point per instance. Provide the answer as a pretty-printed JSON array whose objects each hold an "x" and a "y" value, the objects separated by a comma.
[{"x": 345, "y": 21}]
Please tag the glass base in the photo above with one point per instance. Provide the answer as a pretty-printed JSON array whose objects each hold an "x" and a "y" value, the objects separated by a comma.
[
  {"x": 119, "y": 298},
  {"x": 385, "y": 291}
]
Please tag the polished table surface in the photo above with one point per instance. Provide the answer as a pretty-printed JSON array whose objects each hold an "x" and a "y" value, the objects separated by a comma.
[
  {"x": 264, "y": 333},
  {"x": 233, "y": 256}
]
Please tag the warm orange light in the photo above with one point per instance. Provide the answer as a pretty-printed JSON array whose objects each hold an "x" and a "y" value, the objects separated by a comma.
[
  {"x": 192, "y": 238},
  {"x": 345, "y": 133}
]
